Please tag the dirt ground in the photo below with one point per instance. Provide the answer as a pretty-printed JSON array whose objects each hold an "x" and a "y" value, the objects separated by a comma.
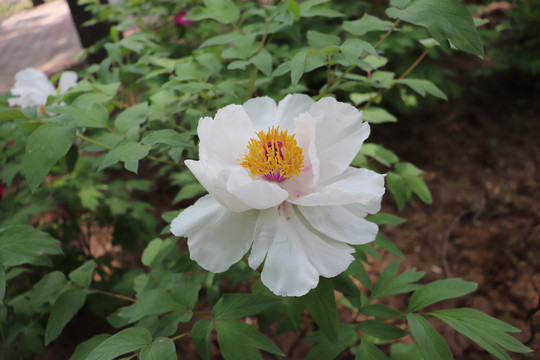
[{"x": 481, "y": 155}]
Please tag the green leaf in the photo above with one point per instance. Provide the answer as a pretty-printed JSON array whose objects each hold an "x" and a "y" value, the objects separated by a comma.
[
  {"x": 385, "y": 243},
  {"x": 131, "y": 117},
  {"x": 90, "y": 99},
  {"x": 438, "y": 291},
  {"x": 82, "y": 275},
  {"x": 201, "y": 337},
  {"x": 365, "y": 24},
  {"x": 12, "y": 114},
  {"x": 48, "y": 288},
  {"x": 321, "y": 304},
  {"x": 352, "y": 49},
  {"x": 318, "y": 40},
  {"x": 223, "y": 11},
  {"x": 419, "y": 187},
  {"x": 377, "y": 115},
  {"x": 238, "y": 341},
  {"x": 189, "y": 191},
  {"x": 44, "y": 147},
  {"x": 379, "y": 153},
  {"x": 423, "y": 87},
  {"x": 160, "y": 349},
  {"x": 185, "y": 289},
  {"x": 62, "y": 311},
  {"x": 128, "y": 152},
  {"x": 430, "y": 342},
  {"x": 126, "y": 341},
  {"x": 401, "y": 351},
  {"x": 151, "y": 302},
  {"x": 325, "y": 349},
  {"x": 357, "y": 270},
  {"x": 222, "y": 39},
  {"x": 368, "y": 351},
  {"x": 294, "y": 9},
  {"x": 263, "y": 62},
  {"x": 243, "y": 48},
  {"x": 167, "y": 137},
  {"x": 234, "y": 306},
  {"x": 388, "y": 285},
  {"x": 445, "y": 20},
  {"x": 298, "y": 65},
  {"x": 383, "y": 218},
  {"x": 406, "y": 168},
  {"x": 380, "y": 311},
  {"x": 90, "y": 197},
  {"x": 95, "y": 117},
  {"x": 83, "y": 349},
  {"x": 110, "y": 89},
  {"x": 381, "y": 330},
  {"x": 21, "y": 244},
  {"x": 168, "y": 324},
  {"x": 486, "y": 331},
  {"x": 309, "y": 8},
  {"x": 399, "y": 188},
  {"x": 349, "y": 289},
  {"x": 153, "y": 248},
  {"x": 2, "y": 283}
]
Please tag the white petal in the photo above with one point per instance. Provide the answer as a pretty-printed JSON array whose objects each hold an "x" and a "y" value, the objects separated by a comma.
[
  {"x": 309, "y": 177},
  {"x": 217, "y": 237},
  {"x": 226, "y": 137},
  {"x": 32, "y": 86},
  {"x": 361, "y": 186},
  {"x": 262, "y": 111},
  {"x": 343, "y": 223},
  {"x": 233, "y": 188},
  {"x": 290, "y": 108},
  {"x": 296, "y": 255},
  {"x": 68, "y": 79},
  {"x": 339, "y": 134}
]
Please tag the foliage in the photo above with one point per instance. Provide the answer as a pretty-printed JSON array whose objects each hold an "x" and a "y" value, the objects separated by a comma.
[{"x": 102, "y": 163}]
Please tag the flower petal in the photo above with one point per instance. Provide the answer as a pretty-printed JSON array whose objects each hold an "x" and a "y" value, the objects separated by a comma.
[
  {"x": 264, "y": 112},
  {"x": 233, "y": 188},
  {"x": 295, "y": 254},
  {"x": 361, "y": 186},
  {"x": 342, "y": 223},
  {"x": 68, "y": 79},
  {"x": 339, "y": 134},
  {"x": 32, "y": 86},
  {"x": 225, "y": 138},
  {"x": 217, "y": 237}
]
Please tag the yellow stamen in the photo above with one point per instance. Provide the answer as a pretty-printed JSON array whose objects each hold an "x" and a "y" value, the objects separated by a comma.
[{"x": 274, "y": 155}]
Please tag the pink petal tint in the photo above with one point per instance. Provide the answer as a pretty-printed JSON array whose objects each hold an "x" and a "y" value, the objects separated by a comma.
[{"x": 180, "y": 20}]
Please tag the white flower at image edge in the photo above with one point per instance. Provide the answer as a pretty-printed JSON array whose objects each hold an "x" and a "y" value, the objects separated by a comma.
[
  {"x": 32, "y": 87},
  {"x": 280, "y": 184}
]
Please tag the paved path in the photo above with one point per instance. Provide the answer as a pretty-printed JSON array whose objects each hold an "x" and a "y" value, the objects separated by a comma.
[{"x": 43, "y": 37}]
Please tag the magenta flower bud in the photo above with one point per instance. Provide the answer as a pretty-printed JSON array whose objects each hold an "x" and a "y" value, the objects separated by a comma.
[{"x": 180, "y": 20}]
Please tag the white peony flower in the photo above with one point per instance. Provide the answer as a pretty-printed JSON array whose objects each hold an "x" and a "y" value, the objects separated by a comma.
[
  {"x": 33, "y": 87},
  {"x": 280, "y": 184}
]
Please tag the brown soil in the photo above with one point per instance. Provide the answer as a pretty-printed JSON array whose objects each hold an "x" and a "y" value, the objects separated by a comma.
[{"x": 481, "y": 155}]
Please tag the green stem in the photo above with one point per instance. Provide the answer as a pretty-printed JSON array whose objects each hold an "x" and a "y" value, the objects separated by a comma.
[
  {"x": 381, "y": 40},
  {"x": 92, "y": 141},
  {"x": 405, "y": 73},
  {"x": 252, "y": 68},
  {"x": 180, "y": 335},
  {"x": 103, "y": 292},
  {"x": 414, "y": 64},
  {"x": 336, "y": 81}
]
